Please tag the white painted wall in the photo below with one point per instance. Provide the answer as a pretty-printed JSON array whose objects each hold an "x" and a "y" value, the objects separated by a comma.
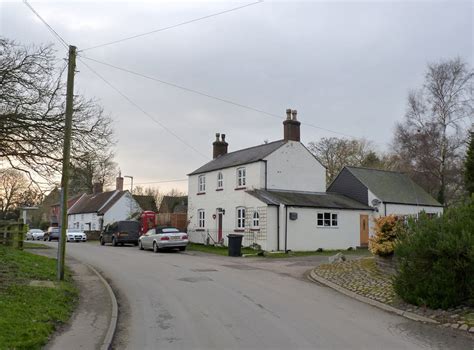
[
  {"x": 304, "y": 234},
  {"x": 293, "y": 167},
  {"x": 122, "y": 209},
  {"x": 81, "y": 221}
]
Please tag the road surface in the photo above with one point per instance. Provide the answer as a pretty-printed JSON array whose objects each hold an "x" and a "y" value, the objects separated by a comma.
[{"x": 186, "y": 301}]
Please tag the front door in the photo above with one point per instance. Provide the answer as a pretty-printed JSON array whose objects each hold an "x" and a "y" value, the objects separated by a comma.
[
  {"x": 364, "y": 230},
  {"x": 219, "y": 226}
]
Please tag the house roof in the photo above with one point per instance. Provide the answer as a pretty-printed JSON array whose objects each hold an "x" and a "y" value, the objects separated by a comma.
[
  {"x": 146, "y": 202},
  {"x": 243, "y": 156},
  {"x": 92, "y": 203},
  {"x": 111, "y": 202},
  {"x": 308, "y": 199},
  {"x": 174, "y": 204},
  {"x": 393, "y": 186},
  {"x": 70, "y": 199}
]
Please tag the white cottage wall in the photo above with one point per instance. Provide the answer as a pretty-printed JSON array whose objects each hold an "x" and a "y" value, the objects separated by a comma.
[
  {"x": 122, "y": 209},
  {"x": 293, "y": 167},
  {"x": 305, "y": 235}
]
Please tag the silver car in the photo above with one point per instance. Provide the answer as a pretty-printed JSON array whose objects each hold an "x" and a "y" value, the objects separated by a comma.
[
  {"x": 163, "y": 237},
  {"x": 34, "y": 234}
]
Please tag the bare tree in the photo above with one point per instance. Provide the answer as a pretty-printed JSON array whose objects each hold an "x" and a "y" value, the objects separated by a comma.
[
  {"x": 16, "y": 191},
  {"x": 334, "y": 153},
  {"x": 430, "y": 141},
  {"x": 32, "y": 106}
]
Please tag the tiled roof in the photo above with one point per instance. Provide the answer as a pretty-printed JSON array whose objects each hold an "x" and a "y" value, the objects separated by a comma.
[
  {"x": 243, "y": 156},
  {"x": 308, "y": 199},
  {"x": 393, "y": 187},
  {"x": 92, "y": 203}
]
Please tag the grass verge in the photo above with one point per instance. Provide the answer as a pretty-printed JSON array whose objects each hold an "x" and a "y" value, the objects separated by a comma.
[
  {"x": 216, "y": 250},
  {"x": 28, "y": 315},
  {"x": 29, "y": 245}
]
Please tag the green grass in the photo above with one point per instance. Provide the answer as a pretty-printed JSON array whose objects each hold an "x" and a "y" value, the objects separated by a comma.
[
  {"x": 28, "y": 315},
  {"x": 223, "y": 251},
  {"x": 29, "y": 245}
]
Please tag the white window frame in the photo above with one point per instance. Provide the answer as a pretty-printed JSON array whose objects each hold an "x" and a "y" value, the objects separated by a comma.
[
  {"x": 201, "y": 218},
  {"x": 241, "y": 177},
  {"x": 220, "y": 180},
  {"x": 327, "y": 219},
  {"x": 256, "y": 220},
  {"x": 240, "y": 216},
  {"x": 201, "y": 183}
]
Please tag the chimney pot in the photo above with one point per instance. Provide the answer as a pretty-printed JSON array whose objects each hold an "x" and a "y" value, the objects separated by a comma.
[
  {"x": 217, "y": 137},
  {"x": 288, "y": 114},
  {"x": 293, "y": 113},
  {"x": 223, "y": 137}
]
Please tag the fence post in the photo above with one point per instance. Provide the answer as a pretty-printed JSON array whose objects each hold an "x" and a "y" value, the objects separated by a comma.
[{"x": 20, "y": 235}]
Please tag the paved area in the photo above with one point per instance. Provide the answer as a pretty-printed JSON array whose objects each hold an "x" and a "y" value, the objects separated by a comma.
[
  {"x": 363, "y": 277},
  {"x": 186, "y": 301},
  {"x": 89, "y": 323}
]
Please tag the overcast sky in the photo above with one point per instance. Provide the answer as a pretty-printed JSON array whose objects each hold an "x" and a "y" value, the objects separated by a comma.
[{"x": 346, "y": 66}]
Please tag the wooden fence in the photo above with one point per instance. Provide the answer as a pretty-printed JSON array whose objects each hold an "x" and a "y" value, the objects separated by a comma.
[
  {"x": 178, "y": 220},
  {"x": 12, "y": 234}
]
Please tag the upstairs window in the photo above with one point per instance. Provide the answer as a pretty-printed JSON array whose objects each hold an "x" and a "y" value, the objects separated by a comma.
[
  {"x": 327, "y": 220},
  {"x": 241, "y": 173},
  {"x": 240, "y": 217},
  {"x": 201, "y": 184},
  {"x": 220, "y": 180},
  {"x": 201, "y": 218},
  {"x": 256, "y": 219}
]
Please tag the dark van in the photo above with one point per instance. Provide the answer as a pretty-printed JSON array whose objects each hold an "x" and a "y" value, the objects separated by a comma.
[{"x": 121, "y": 232}]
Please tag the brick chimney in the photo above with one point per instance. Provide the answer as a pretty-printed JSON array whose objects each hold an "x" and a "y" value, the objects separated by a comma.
[
  {"x": 291, "y": 126},
  {"x": 119, "y": 182},
  {"x": 219, "y": 147},
  {"x": 97, "y": 188}
]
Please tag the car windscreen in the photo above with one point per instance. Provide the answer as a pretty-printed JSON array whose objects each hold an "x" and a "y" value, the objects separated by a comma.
[
  {"x": 168, "y": 230},
  {"x": 129, "y": 226}
]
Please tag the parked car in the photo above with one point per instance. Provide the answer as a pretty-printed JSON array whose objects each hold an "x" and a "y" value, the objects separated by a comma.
[
  {"x": 121, "y": 232},
  {"x": 51, "y": 234},
  {"x": 75, "y": 235},
  {"x": 163, "y": 237},
  {"x": 34, "y": 234}
]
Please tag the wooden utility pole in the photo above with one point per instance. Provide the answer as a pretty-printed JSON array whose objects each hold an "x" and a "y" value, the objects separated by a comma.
[{"x": 66, "y": 160}]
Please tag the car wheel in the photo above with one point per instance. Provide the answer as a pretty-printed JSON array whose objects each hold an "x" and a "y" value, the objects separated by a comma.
[
  {"x": 182, "y": 249},
  {"x": 155, "y": 247},
  {"x": 102, "y": 242},
  {"x": 49, "y": 239},
  {"x": 114, "y": 242},
  {"x": 140, "y": 246}
]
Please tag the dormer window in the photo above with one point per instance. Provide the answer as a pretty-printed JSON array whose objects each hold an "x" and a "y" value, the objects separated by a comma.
[
  {"x": 220, "y": 181},
  {"x": 241, "y": 174},
  {"x": 202, "y": 184}
]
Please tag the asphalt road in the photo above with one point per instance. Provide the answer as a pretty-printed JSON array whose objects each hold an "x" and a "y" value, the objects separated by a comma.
[{"x": 184, "y": 301}]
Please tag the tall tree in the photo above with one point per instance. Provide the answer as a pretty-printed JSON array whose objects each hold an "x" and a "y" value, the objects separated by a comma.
[
  {"x": 15, "y": 191},
  {"x": 469, "y": 165},
  {"x": 430, "y": 141},
  {"x": 90, "y": 169},
  {"x": 334, "y": 153},
  {"x": 32, "y": 107}
]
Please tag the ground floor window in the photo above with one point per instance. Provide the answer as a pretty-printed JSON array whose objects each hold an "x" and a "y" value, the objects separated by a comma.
[
  {"x": 240, "y": 217},
  {"x": 327, "y": 219},
  {"x": 201, "y": 218},
  {"x": 256, "y": 220}
]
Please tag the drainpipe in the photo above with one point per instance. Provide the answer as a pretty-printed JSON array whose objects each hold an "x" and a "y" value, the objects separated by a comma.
[
  {"x": 278, "y": 228},
  {"x": 265, "y": 162},
  {"x": 385, "y": 208},
  {"x": 286, "y": 229}
]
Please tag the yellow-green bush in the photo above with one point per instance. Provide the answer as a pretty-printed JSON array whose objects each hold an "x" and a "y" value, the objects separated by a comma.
[{"x": 387, "y": 229}]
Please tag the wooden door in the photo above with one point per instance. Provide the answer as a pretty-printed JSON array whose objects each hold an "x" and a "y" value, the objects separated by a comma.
[
  {"x": 219, "y": 226},
  {"x": 364, "y": 230}
]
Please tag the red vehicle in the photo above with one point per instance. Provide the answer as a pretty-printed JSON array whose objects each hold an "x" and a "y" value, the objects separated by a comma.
[{"x": 147, "y": 221}]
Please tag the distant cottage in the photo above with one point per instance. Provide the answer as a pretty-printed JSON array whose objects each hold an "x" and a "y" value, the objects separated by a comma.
[{"x": 275, "y": 195}]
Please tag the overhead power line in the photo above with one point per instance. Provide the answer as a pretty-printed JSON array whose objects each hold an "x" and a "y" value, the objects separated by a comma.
[
  {"x": 172, "y": 26},
  {"x": 55, "y": 34},
  {"x": 133, "y": 103},
  {"x": 212, "y": 96}
]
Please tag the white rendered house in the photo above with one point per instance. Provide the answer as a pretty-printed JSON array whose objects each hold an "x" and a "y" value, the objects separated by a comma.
[{"x": 275, "y": 195}]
